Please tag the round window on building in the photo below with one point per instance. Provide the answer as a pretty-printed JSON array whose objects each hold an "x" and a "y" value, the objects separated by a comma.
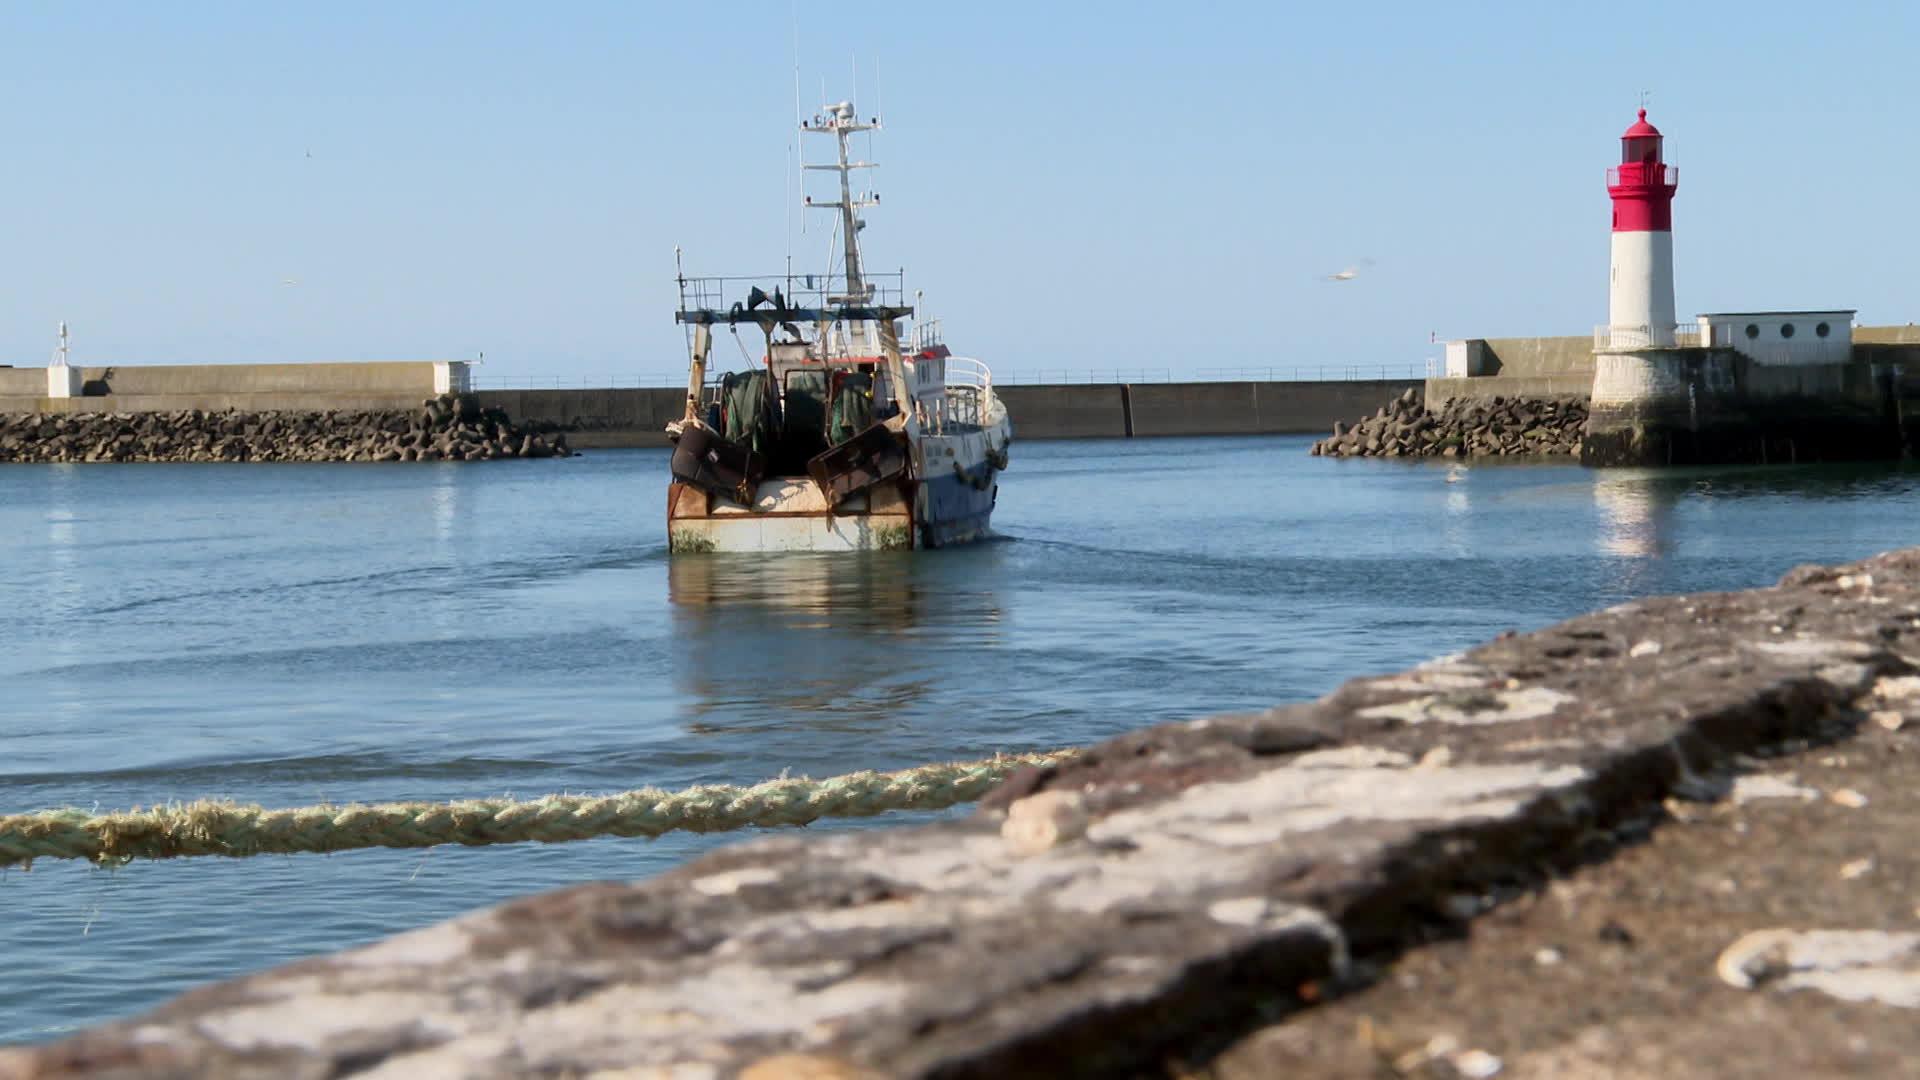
[
  {"x": 1822, "y": 330},
  {"x": 1786, "y": 329},
  {"x": 1753, "y": 330}
]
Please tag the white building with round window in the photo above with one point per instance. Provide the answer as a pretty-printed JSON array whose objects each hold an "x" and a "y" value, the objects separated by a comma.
[{"x": 1782, "y": 338}]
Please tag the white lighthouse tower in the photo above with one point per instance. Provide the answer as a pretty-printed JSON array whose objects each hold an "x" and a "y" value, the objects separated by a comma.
[{"x": 1640, "y": 292}]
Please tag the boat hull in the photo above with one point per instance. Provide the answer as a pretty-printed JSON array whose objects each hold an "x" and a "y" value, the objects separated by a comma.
[
  {"x": 788, "y": 515},
  {"x": 947, "y": 499},
  {"x": 957, "y": 508},
  {"x": 943, "y": 511}
]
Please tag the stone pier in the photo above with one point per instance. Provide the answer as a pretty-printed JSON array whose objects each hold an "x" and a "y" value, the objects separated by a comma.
[
  {"x": 1191, "y": 899},
  {"x": 1700, "y": 406}
]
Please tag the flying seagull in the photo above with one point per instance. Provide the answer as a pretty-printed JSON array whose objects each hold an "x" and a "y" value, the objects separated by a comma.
[{"x": 1349, "y": 273}]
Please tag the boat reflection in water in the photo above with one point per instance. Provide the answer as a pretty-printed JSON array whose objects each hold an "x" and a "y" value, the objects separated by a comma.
[{"x": 826, "y": 642}]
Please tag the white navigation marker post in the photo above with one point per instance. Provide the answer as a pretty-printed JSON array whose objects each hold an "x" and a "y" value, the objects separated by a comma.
[{"x": 63, "y": 380}]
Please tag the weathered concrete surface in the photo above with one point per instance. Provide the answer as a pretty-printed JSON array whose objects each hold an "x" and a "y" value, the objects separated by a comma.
[
  {"x": 1907, "y": 334},
  {"x": 1530, "y": 357},
  {"x": 1251, "y": 408},
  {"x": 629, "y": 417},
  {"x": 1142, "y": 904},
  {"x": 213, "y": 387},
  {"x": 1552, "y": 387},
  {"x": 1716, "y": 406},
  {"x": 638, "y": 417},
  {"x": 1066, "y": 412},
  {"x": 1616, "y": 971}
]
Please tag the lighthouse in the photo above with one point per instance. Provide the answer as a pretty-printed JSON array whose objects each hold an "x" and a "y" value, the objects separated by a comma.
[{"x": 1640, "y": 292}]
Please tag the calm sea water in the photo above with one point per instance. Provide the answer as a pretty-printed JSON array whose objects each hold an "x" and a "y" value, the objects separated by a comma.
[{"x": 294, "y": 634}]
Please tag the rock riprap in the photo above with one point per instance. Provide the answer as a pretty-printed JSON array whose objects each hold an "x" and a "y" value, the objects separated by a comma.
[
  {"x": 1462, "y": 428},
  {"x": 446, "y": 428}
]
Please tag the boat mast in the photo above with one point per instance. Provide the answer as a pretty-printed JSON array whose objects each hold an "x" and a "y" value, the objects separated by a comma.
[{"x": 840, "y": 121}]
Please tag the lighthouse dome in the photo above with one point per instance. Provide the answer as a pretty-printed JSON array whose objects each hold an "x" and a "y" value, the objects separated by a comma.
[{"x": 1641, "y": 144}]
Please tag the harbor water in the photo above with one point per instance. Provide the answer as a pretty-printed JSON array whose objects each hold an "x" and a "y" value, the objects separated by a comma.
[{"x": 300, "y": 634}]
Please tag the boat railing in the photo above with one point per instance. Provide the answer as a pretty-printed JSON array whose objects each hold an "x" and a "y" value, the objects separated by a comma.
[
  {"x": 925, "y": 336},
  {"x": 969, "y": 394},
  {"x": 811, "y": 291}
]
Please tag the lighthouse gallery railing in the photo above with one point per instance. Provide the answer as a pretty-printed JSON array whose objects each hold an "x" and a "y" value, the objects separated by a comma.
[{"x": 1669, "y": 175}]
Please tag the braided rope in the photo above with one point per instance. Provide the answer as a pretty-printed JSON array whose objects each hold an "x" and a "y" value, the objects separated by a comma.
[{"x": 213, "y": 827}]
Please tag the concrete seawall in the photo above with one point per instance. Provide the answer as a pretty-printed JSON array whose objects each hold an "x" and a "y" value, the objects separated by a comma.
[
  {"x": 140, "y": 388},
  {"x": 636, "y": 417}
]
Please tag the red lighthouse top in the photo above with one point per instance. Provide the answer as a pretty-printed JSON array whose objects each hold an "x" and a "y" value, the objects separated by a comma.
[{"x": 1642, "y": 185}]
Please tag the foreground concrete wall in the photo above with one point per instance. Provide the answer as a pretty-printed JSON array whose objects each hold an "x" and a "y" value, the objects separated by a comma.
[{"x": 1163, "y": 890}]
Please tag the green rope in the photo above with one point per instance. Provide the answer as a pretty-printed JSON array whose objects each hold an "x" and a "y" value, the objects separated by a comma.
[{"x": 213, "y": 827}]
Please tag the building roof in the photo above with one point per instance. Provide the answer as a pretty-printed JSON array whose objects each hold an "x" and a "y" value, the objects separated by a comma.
[{"x": 1749, "y": 314}]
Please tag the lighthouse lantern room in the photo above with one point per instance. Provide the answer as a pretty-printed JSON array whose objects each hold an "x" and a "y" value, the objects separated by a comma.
[{"x": 1640, "y": 309}]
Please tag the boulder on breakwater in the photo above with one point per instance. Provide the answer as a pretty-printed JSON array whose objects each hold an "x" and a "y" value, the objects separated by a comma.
[
  {"x": 451, "y": 427},
  {"x": 1462, "y": 428}
]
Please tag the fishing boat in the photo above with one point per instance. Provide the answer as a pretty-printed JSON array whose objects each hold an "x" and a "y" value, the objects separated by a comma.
[{"x": 836, "y": 436}]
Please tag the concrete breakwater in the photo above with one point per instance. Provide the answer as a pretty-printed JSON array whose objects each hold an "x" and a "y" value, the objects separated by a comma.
[
  {"x": 1461, "y": 428},
  {"x": 1181, "y": 885},
  {"x": 446, "y": 428},
  {"x": 637, "y": 417}
]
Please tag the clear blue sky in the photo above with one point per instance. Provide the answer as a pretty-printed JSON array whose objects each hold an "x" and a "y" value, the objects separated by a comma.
[{"x": 1073, "y": 186}]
